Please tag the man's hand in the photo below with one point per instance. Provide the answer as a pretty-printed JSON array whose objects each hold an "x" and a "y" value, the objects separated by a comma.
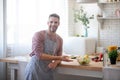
[
  {"x": 66, "y": 58},
  {"x": 52, "y": 65}
]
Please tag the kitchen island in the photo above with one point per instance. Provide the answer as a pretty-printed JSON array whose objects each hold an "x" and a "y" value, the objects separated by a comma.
[
  {"x": 18, "y": 63},
  {"x": 75, "y": 71}
]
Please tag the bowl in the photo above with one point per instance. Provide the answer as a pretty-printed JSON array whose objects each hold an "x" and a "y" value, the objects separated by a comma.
[{"x": 83, "y": 60}]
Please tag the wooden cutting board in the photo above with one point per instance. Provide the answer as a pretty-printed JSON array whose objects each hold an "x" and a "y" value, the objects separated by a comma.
[{"x": 97, "y": 66}]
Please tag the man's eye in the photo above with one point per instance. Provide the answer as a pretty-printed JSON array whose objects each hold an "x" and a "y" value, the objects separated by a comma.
[
  {"x": 51, "y": 22},
  {"x": 56, "y": 22}
]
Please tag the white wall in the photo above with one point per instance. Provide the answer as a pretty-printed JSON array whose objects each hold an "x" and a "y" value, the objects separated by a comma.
[
  {"x": 1, "y": 28},
  {"x": 71, "y": 26},
  {"x": 91, "y": 9},
  {"x": 75, "y": 28},
  {"x": 2, "y": 65}
]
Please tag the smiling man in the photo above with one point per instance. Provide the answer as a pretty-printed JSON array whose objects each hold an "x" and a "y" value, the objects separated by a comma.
[{"x": 46, "y": 52}]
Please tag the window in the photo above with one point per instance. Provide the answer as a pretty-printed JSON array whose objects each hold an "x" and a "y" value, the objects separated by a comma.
[{"x": 25, "y": 17}]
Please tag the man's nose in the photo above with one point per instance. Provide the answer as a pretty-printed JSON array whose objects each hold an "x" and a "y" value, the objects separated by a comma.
[{"x": 53, "y": 23}]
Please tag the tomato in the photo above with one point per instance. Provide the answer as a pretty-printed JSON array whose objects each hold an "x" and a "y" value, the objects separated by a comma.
[
  {"x": 96, "y": 60},
  {"x": 100, "y": 56}
]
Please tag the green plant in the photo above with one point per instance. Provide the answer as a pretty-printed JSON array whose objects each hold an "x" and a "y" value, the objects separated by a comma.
[
  {"x": 113, "y": 54},
  {"x": 81, "y": 15}
]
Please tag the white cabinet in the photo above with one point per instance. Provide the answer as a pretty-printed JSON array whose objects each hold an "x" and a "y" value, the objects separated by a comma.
[{"x": 79, "y": 45}]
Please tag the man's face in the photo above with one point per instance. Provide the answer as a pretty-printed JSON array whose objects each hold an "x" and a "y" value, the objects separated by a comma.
[{"x": 53, "y": 24}]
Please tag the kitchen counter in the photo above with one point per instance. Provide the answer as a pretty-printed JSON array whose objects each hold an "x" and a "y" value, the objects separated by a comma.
[
  {"x": 64, "y": 68},
  {"x": 97, "y": 66},
  {"x": 16, "y": 59},
  {"x": 16, "y": 66},
  {"x": 94, "y": 69}
]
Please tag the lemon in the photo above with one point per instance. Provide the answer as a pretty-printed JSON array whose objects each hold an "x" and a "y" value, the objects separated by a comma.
[{"x": 86, "y": 56}]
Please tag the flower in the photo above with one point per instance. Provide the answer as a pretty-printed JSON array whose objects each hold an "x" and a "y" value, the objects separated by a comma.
[
  {"x": 111, "y": 48},
  {"x": 81, "y": 15},
  {"x": 112, "y": 51}
]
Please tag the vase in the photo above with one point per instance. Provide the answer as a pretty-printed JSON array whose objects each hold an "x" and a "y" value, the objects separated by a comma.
[
  {"x": 113, "y": 60},
  {"x": 86, "y": 32}
]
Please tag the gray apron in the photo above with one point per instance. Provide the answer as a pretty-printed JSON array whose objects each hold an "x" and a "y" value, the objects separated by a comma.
[{"x": 38, "y": 69}]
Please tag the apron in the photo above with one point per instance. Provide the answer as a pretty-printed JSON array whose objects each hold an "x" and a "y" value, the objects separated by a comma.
[{"x": 38, "y": 69}]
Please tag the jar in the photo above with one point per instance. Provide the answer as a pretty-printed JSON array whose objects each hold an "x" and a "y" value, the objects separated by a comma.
[
  {"x": 118, "y": 58},
  {"x": 109, "y": 0},
  {"x": 105, "y": 57},
  {"x": 117, "y": 12}
]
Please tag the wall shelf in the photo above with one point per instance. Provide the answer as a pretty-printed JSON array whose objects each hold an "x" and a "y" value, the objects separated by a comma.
[
  {"x": 101, "y": 19},
  {"x": 86, "y": 1},
  {"x": 101, "y": 4},
  {"x": 104, "y": 16},
  {"x": 108, "y": 18},
  {"x": 108, "y": 2}
]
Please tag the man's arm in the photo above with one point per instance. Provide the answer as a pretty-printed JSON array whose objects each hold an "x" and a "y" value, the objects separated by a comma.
[
  {"x": 52, "y": 57},
  {"x": 44, "y": 56}
]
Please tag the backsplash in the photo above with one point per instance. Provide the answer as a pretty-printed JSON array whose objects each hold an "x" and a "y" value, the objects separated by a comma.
[{"x": 110, "y": 31}]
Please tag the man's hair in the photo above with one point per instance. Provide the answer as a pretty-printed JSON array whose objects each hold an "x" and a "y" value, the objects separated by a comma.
[{"x": 54, "y": 15}]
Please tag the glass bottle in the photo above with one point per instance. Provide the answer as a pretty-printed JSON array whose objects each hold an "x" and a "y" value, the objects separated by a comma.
[{"x": 105, "y": 57}]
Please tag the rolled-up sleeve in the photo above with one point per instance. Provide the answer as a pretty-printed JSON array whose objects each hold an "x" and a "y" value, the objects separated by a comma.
[{"x": 37, "y": 44}]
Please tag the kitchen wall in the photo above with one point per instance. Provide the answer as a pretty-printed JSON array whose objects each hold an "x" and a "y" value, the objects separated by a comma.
[
  {"x": 71, "y": 25},
  {"x": 107, "y": 33},
  {"x": 110, "y": 29}
]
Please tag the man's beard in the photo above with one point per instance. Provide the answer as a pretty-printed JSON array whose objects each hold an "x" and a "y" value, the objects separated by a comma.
[{"x": 53, "y": 29}]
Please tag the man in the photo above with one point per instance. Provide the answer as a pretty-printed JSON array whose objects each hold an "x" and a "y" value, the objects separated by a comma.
[{"x": 46, "y": 52}]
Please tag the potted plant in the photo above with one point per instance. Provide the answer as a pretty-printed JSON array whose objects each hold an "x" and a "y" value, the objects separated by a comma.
[
  {"x": 81, "y": 16},
  {"x": 112, "y": 54}
]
